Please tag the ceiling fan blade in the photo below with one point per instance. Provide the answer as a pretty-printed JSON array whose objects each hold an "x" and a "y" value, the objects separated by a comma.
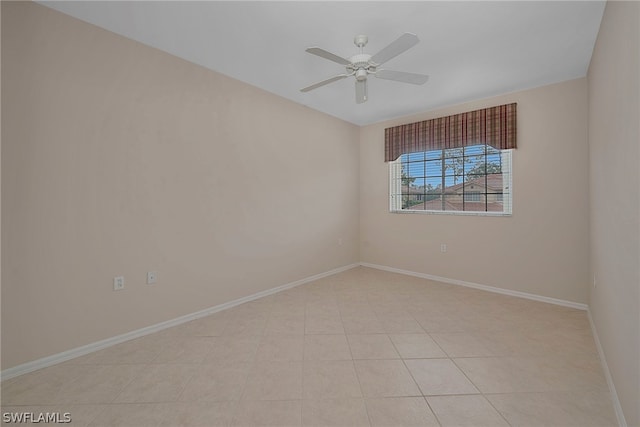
[
  {"x": 324, "y": 82},
  {"x": 327, "y": 55},
  {"x": 401, "y": 76},
  {"x": 361, "y": 91},
  {"x": 401, "y": 44}
]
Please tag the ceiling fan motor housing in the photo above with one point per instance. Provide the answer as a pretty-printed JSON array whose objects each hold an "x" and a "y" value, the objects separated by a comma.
[{"x": 361, "y": 66}]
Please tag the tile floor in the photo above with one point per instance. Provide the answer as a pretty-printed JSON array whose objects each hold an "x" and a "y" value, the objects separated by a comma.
[{"x": 360, "y": 348}]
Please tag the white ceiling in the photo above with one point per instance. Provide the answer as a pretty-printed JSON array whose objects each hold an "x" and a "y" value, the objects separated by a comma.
[{"x": 470, "y": 50}]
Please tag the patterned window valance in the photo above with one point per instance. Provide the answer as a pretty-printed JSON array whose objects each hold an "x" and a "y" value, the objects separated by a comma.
[{"x": 495, "y": 126}]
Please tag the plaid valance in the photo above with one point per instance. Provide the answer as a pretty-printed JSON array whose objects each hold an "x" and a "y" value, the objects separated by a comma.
[{"x": 495, "y": 126}]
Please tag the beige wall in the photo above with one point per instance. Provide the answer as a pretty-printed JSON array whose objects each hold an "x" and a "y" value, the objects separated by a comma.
[
  {"x": 614, "y": 141},
  {"x": 118, "y": 159},
  {"x": 541, "y": 249}
]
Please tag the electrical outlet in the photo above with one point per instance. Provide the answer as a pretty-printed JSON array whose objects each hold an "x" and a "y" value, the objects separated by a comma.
[
  {"x": 118, "y": 283},
  {"x": 443, "y": 247},
  {"x": 152, "y": 277},
  {"x": 594, "y": 281}
]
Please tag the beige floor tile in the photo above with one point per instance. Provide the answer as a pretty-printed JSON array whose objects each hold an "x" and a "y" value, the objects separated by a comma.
[
  {"x": 322, "y": 308},
  {"x": 574, "y": 408},
  {"x": 292, "y": 307},
  {"x": 465, "y": 411},
  {"x": 400, "y": 324},
  {"x": 532, "y": 374},
  {"x": 203, "y": 414},
  {"x": 400, "y": 412},
  {"x": 463, "y": 344},
  {"x": 334, "y": 412},
  {"x": 555, "y": 341},
  {"x": 580, "y": 373},
  {"x": 280, "y": 348},
  {"x": 330, "y": 380},
  {"x": 101, "y": 385},
  {"x": 385, "y": 378},
  {"x": 219, "y": 382},
  {"x": 369, "y": 324},
  {"x": 372, "y": 346},
  {"x": 439, "y": 377},
  {"x": 274, "y": 381},
  {"x": 134, "y": 415},
  {"x": 81, "y": 415},
  {"x": 326, "y": 347},
  {"x": 283, "y": 413},
  {"x": 513, "y": 343},
  {"x": 41, "y": 387},
  {"x": 355, "y": 307},
  {"x": 385, "y": 305},
  {"x": 416, "y": 346},
  {"x": 323, "y": 324},
  {"x": 285, "y": 324},
  {"x": 246, "y": 325},
  {"x": 188, "y": 350},
  {"x": 236, "y": 348},
  {"x": 504, "y": 374},
  {"x": 141, "y": 350},
  {"x": 445, "y": 323},
  {"x": 157, "y": 383}
]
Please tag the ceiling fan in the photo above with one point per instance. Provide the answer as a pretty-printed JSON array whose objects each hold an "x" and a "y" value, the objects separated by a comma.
[{"x": 362, "y": 65}]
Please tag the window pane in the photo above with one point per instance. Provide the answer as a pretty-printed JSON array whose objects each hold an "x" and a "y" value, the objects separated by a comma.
[
  {"x": 451, "y": 203},
  {"x": 453, "y": 152},
  {"x": 477, "y": 203},
  {"x": 434, "y": 154},
  {"x": 434, "y": 168},
  {"x": 494, "y": 158},
  {"x": 454, "y": 166},
  {"x": 412, "y": 157},
  {"x": 474, "y": 150},
  {"x": 458, "y": 179},
  {"x": 448, "y": 180},
  {"x": 415, "y": 169},
  {"x": 434, "y": 204},
  {"x": 491, "y": 150},
  {"x": 418, "y": 183}
]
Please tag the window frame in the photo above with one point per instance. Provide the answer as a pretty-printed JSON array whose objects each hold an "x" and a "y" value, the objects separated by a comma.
[{"x": 395, "y": 177}]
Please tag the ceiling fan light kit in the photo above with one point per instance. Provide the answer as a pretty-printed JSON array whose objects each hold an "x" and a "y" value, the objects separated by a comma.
[{"x": 362, "y": 64}]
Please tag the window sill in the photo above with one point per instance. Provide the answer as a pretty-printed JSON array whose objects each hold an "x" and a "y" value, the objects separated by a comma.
[{"x": 421, "y": 212}]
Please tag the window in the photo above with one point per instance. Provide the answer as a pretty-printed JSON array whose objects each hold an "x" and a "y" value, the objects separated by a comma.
[
  {"x": 470, "y": 179},
  {"x": 472, "y": 196}
]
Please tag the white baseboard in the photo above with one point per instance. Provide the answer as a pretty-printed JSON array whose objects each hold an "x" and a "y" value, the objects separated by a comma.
[
  {"x": 617, "y": 407},
  {"x": 99, "y": 345},
  {"x": 509, "y": 292}
]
